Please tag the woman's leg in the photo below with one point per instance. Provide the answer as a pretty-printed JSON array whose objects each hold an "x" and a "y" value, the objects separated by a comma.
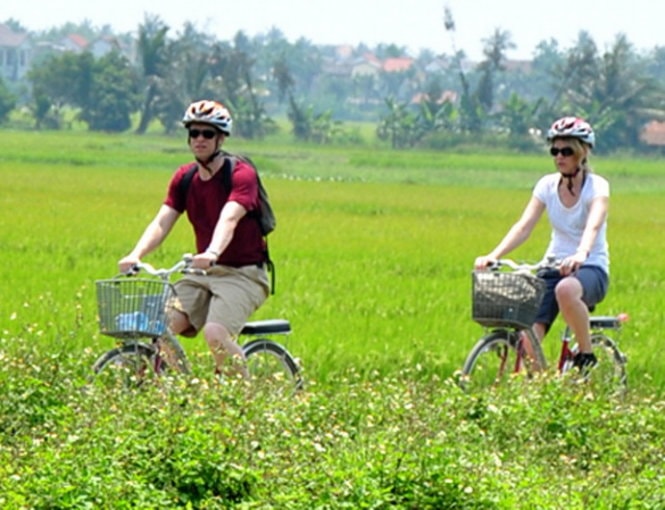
[{"x": 574, "y": 310}]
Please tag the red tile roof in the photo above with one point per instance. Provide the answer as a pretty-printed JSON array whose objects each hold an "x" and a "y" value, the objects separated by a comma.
[
  {"x": 78, "y": 40},
  {"x": 10, "y": 38},
  {"x": 395, "y": 65},
  {"x": 653, "y": 133}
]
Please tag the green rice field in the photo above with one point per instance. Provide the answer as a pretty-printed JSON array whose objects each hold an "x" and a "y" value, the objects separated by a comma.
[{"x": 373, "y": 250}]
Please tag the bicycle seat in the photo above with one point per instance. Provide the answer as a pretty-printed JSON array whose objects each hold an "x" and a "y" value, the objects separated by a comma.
[{"x": 265, "y": 327}]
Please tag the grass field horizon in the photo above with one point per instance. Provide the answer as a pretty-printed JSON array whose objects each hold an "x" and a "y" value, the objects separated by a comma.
[{"x": 373, "y": 250}]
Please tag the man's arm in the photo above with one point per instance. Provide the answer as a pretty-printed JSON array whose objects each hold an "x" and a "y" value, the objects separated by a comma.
[{"x": 231, "y": 214}]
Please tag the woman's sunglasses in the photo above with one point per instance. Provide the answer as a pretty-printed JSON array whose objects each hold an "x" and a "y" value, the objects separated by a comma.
[
  {"x": 208, "y": 134},
  {"x": 564, "y": 151}
]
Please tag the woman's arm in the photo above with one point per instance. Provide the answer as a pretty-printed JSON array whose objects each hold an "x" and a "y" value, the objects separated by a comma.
[{"x": 594, "y": 222}]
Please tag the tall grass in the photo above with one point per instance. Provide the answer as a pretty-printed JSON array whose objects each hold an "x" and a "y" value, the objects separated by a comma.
[{"x": 373, "y": 252}]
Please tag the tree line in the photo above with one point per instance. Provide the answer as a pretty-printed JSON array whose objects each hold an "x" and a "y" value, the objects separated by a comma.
[{"x": 264, "y": 77}]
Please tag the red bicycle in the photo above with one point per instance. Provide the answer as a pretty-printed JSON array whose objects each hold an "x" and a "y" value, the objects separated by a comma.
[{"x": 506, "y": 302}]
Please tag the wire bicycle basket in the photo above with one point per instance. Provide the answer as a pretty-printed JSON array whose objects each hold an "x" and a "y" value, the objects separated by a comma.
[
  {"x": 502, "y": 299},
  {"x": 133, "y": 307}
]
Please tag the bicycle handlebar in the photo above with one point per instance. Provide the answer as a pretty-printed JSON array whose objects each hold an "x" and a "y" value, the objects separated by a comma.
[
  {"x": 547, "y": 263},
  {"x": 182, "y": 266}
]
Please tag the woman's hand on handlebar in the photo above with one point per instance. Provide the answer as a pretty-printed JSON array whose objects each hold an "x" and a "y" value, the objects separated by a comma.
[
  {"x": 572, "y": 263},
  {"x": 484, "y": 262}
]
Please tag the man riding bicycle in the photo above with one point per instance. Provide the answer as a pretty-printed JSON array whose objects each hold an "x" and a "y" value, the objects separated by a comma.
[{"x": 229, "y": 244}]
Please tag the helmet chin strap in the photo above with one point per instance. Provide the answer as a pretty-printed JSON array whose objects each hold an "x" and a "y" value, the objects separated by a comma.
[
  {"x": 570, "y": 177},
  {"x": 205, "y": 164}
]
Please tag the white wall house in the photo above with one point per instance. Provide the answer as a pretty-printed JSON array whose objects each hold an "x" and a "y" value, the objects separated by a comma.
[{"x": 15, "y": 54}]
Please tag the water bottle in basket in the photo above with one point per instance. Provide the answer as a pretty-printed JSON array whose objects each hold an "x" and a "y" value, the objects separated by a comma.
[{"x": 132, "y": 321}]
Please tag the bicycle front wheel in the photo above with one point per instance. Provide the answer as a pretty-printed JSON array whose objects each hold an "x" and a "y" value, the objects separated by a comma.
[
  {"x": 493, "y": 359},
  {"x": 128, "y": 366},
  {"x": 271, "y": 367}
]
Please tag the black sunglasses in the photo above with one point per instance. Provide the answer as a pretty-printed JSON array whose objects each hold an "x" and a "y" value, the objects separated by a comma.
[
  {"x": 564, "y": 151},
  {"x": 208, "y": 134}
]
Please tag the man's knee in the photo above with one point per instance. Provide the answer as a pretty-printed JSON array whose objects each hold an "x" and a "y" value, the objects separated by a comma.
[
  {"x": 180, "y": 325},
  {"x": 215, "y": 330}
]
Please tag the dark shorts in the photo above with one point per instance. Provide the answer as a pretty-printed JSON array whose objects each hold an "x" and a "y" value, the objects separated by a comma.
[{"x": 595, "y": 283}]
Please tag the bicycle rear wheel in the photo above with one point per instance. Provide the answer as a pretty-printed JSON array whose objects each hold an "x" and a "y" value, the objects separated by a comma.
[
  {"x": 128, "y": 366},
  {"x": 610, "y": 372},
  {"x": 271, "y": 367},
  {"x": 492, "y": 361}
]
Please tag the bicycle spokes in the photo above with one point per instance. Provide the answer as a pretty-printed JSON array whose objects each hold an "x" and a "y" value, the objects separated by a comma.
[
  {"x": 493, "y": 360},
  {"x": 610, "y": 369},
  {"x": 271, "y": 368},
  {"x": 128, "y": 366}
]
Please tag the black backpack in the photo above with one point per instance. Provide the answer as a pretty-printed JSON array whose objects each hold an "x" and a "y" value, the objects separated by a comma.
[{"x": 264, "y": 215}]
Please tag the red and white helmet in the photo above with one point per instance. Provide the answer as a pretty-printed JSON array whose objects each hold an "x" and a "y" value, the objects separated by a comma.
[
  {"x": 572, "y": 127},
  {"x": 209, "y": 112}
]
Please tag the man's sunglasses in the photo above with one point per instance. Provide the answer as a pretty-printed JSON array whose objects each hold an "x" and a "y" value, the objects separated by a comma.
[
  {"x": 208, "y": 134},
  {"x": 564, "y": 151}
]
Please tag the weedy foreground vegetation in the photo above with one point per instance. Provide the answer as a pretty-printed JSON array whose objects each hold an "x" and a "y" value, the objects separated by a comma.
[{"x": 373, "y": 253}]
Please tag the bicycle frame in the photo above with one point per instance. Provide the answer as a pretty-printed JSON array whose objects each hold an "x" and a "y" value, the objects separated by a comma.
[{"x": 565, "y": 353}]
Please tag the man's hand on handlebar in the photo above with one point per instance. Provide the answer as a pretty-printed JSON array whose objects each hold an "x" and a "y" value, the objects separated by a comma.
[
  {"x": 127, "y": 265},
  {"x": 204, "y": 260}
]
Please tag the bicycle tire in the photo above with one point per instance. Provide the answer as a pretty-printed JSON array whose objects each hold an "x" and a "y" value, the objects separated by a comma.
[
  {"x": 610, "y": 372},
  {"x": 492, "y": 361},
  {"x": 128, "y": 366},
  {"x": 271, "y": 367}
]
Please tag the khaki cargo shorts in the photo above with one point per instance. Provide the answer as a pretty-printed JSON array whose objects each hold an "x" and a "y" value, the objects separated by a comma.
[{"x": 225, "y": 295}]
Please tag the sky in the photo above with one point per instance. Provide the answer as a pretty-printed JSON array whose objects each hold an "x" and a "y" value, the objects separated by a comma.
[{"x": 415, "y": 25}]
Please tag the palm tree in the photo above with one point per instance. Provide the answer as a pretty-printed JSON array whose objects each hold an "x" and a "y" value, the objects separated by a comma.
[
  {"x": 495, "y": 55},
  {"x": 187, "y": 78},
  {"x": 152, "y": 48},
  {"x": 613, "y": 91}
]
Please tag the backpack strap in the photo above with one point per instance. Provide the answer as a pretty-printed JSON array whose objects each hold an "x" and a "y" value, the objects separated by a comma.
[
  {"x": 227, "y": 169},
  {"x": 186, "y": 181},
  {"x": 228, "y": 166}
]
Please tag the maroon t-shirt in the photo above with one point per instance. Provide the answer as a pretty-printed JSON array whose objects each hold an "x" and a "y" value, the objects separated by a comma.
[{"x": 204, "y": 202}]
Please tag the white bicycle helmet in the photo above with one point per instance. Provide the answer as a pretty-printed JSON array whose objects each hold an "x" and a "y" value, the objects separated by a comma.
[
  {"x": 572, "y": 127},
  {"x": 209, "y": 112}
]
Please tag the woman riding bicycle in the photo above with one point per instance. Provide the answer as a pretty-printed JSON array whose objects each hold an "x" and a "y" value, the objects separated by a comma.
[{"x": 576, "y": 201}]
